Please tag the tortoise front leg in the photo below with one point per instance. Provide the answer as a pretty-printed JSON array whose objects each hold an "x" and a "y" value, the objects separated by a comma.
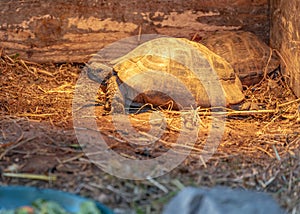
[
  {"x": 99, "y": 73},
  {"x": 114, "y": 98}
]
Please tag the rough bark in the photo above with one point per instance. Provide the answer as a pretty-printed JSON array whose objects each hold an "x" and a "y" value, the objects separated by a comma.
[
  {"x": 285, "y": 37},
  {"x": 71, "y": 30}
]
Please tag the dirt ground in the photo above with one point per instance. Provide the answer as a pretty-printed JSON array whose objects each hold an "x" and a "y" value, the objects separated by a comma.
[{"x": 259, "y": 149}]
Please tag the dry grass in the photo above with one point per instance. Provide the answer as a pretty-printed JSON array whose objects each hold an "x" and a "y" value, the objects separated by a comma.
[{"x": 260, "y": 149}]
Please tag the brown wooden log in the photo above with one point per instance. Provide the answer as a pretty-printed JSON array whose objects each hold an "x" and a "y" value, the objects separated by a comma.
[
  {"x": 285, "y": 36},
  {"x": 71, "y": 30}
]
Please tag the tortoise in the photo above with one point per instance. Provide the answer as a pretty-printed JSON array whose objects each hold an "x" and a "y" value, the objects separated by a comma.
[
  {"x": 247, "y": 54},
  {"x": 162, "y": 71}
]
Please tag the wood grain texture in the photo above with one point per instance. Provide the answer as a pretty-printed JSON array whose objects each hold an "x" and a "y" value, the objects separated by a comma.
[
  {"x": 285, "y": 36},
  {"x": 72, "y": 30}
]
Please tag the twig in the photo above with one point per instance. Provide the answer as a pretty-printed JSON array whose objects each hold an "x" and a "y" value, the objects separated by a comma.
[
  {"x": 288, "y": 103},
  {"x": 276, "y": 152},
  {"x": 47, "y": 73},
  {"x": 34, "y": 115},
  {"x": 178, "y": 184},
  {"x": 15, "y": 146},
  {"x": 203, "y": 162},
  {"x": 30, "y": 176},
  {"x": 265, "y": 151},
  {"x": 140, "y": 33},
  {"x": 158, "y": 185},
  {"x": 195, "y": 36},
  {"x": 24, "y": 64},
  {"x": 232, "y": 113},
  {"x": 73, "y": 158}
]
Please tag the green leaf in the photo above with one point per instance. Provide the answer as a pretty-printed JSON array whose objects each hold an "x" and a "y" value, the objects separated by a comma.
[{"x": 88, "y": 207}]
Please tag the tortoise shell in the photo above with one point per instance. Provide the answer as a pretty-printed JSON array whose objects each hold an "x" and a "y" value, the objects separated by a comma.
[
  {"x": 163, "y": 69},
  {"x": 247, "y": 54}
]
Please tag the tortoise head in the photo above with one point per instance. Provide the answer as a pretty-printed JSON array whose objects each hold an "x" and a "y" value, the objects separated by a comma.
[{"x": 99, "y": 72}]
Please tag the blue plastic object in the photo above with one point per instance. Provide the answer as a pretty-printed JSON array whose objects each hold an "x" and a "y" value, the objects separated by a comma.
[{"x": 12, "y": 197}]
